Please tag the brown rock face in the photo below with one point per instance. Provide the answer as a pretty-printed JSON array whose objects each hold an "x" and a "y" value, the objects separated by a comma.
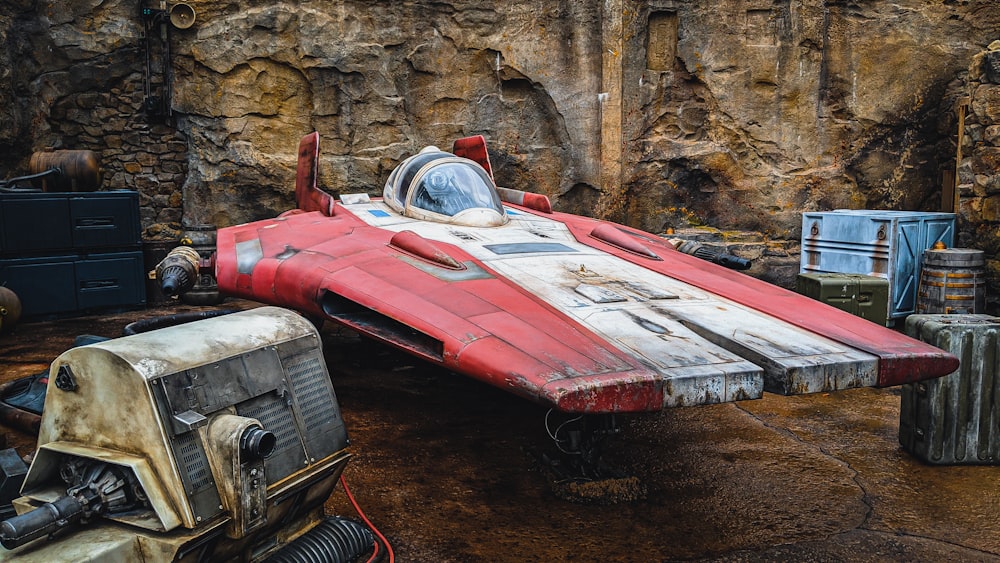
[
  {"x": 664, "y": 113},
  {"x": 755, "y": 115}
]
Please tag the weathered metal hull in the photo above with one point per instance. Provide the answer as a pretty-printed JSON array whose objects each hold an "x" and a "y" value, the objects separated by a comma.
[
  {"x": 576, "y": 313},
  {"x": 209, "y": 440},
  {"x": 953, "y": 419}
]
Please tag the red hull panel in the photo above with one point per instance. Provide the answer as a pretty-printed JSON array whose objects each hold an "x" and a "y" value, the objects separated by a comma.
[{"x": 342, "y": 269}]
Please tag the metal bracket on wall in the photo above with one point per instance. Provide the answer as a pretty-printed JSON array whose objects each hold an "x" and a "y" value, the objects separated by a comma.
[{"x": 157, "y": 79}]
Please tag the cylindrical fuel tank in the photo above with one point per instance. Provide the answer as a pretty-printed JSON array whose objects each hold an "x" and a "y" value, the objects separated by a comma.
[{"x": 79, "y": 170}]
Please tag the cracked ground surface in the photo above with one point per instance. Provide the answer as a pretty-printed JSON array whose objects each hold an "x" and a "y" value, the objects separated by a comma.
[{"x": 442, "y": 466}]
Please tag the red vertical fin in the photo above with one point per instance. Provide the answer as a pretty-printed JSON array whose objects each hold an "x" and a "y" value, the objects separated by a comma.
[
  {"x": 308, "y": 196},
  {"x": 474, "y": 148}
]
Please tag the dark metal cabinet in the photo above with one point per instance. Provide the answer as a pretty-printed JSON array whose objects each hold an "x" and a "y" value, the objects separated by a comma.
[
  {"x": 72, "y": 252},
  {"x": 34, "y": 223}
]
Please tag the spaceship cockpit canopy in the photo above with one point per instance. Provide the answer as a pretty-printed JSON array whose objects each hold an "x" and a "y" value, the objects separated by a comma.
[{"x": 438, "y": 186}]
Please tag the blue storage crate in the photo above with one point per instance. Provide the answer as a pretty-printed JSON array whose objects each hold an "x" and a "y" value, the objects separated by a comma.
[{"x": 886, "y": 244}]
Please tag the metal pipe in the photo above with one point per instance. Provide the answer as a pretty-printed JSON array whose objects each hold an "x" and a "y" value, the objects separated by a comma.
[
  {"x": 42, "y": 521},
  {"x": 163, "y": 321},
  {"x": 6, "y": 185},
  {"x": 26, "y": 422}
]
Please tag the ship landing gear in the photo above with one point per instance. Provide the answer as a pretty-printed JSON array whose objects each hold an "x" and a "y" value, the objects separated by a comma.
[{"x": 575, "y": 460}]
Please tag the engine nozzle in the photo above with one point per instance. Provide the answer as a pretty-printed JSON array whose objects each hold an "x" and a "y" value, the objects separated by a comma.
[
  {"x": 257, "y": 443},
  {"x": 178, "y": 271}
]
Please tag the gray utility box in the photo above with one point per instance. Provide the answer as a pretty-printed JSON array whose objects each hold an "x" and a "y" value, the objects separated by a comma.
[
  {"x": 955, "y": 419},
  {"x": 885, "y": 244}
]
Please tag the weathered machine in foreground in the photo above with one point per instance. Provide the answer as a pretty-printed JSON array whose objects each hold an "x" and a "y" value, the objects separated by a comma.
[{"x": 215, "y": 440}]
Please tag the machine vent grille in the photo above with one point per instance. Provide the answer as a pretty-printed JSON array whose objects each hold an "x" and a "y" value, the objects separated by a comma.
[
  {"x": 275, "y": 415},
  {"x": 316, "y": 405},
  {"x": 193, "y": 459},
  {"x": 312, "y": 391}
]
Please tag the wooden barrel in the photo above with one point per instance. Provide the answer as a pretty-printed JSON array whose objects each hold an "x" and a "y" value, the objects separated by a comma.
[
  {"x": 79, "y": 171},
  {"x": 952, "y": 281}
]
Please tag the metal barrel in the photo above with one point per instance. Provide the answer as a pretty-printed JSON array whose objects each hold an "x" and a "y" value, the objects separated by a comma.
[
  {"x": 79, "y": 170},
  {"x": 952, "y": 281}
]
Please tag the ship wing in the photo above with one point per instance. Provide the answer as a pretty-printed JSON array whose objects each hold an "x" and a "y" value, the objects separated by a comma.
[{"x": 541, "y": 308}]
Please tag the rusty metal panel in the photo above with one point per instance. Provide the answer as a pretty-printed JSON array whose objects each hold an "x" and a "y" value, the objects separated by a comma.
[
  {"x": 886, "y": 244},
  {"x": 955, "y": 419}
]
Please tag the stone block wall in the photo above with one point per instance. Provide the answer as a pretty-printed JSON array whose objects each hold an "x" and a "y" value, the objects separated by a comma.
[
  {"x": 136, "y": 153},
  {"x": 73, "y": 77},
  {"x": 978, "y": 170}
]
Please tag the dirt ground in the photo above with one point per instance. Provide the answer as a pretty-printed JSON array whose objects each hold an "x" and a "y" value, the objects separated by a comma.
[{"x": 444, "y": 466}]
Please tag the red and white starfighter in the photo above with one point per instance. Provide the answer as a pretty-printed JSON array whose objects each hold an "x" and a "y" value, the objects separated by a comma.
[{"x": 579, "y": 314}]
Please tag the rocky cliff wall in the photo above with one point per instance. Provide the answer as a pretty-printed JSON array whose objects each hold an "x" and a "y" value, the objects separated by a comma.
[
  {"x": 977, "y": 178},
  {"x": 736, "y": 114}
]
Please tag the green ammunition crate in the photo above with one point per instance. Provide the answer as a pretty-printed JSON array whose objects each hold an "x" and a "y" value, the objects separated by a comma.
[{"x": 858, "y": 294}]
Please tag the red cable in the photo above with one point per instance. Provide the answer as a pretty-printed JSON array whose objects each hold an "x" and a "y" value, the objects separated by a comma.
[{"x": 354, "y": 503}]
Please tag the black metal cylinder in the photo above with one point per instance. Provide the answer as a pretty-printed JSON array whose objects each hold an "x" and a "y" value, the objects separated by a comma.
[
  {"x": 178, "y": 271},
  {"x": 175, "y": 279},
  {"x": 41, "y": 521},
  {"x": 257, "y": 443},
  {"x": 716, "y": 255}
]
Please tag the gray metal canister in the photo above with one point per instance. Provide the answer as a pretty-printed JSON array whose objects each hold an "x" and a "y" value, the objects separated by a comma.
[{"x": 955, "y": 419}]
